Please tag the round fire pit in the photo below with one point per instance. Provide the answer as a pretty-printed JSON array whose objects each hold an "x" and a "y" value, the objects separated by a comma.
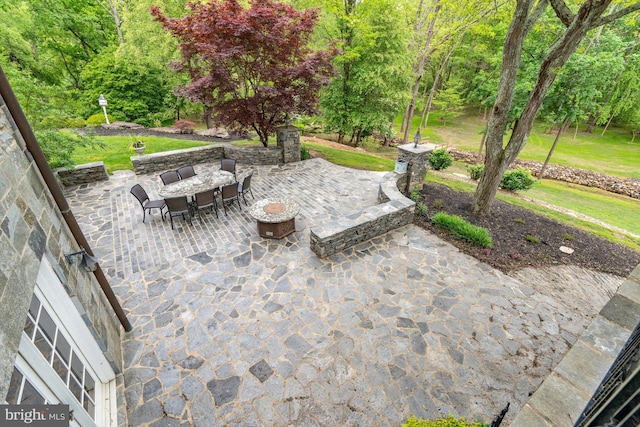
[{"x": 276, "y": 217}]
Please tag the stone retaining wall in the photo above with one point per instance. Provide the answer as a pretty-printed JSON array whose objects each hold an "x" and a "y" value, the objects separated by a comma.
[
  {"x": 254, "y": 155},
  {"x": 394, "y": 211},
  {"x": 169, "y": 160},
  {"x": 627, "y": 186},
  {"x": 83, "y": 174}
]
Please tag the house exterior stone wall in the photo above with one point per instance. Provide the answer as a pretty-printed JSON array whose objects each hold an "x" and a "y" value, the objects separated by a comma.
[
  {"x": 394, "y": 211},
  {"x": 31, "y": 228}
]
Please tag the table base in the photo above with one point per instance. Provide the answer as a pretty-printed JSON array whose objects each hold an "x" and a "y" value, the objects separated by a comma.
[{"x": 276, "y": 230}]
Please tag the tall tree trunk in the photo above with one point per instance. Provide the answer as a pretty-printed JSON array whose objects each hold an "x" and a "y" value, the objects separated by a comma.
[
  {"x": 484, "y": 138},
  {"x": 607, "y": 125},
  {"x": 434, "y": 87},
  {"x": 553, "y": 147},
  {"x": 587, "y": 17},
  {"x": 419, "y": 73}
]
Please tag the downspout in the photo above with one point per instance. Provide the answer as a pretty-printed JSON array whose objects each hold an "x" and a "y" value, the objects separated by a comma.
[{"x": 50, "y": 180}]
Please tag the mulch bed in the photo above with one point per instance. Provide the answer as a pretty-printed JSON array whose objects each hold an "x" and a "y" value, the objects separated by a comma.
[
  {"x": 100, "y": 131},
  {"x": 509, "y": 226}
]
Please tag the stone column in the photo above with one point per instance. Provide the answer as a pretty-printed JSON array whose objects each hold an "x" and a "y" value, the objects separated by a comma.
[
  {"x": 289, "y": 143},
  {"x": 417, "y": 159}
]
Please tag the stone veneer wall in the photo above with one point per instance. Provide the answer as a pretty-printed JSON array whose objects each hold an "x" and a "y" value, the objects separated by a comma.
[
  {"x": 32, "y": 227},
  {"x": 82, "y": 174},
  {"x": 170, "y": 160},
  {"x": 394, "y": 211}
]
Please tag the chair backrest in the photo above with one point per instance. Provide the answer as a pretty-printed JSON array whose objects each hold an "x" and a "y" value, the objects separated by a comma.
[
  {"x": 246, "y": 182},
  {"x": 186, "y": 172},
  {"x": 229, "y": 191},
  {"x": 177, "y": 204},
  {"x": 169, "y": 177},
  {"x": 205, "y": 198},
  {"x": 139, "y": 194},
  {"x": 228, "y": 165}
]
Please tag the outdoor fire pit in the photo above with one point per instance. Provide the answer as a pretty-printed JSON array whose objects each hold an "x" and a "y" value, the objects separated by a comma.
[{"x": 276, "y": 217}]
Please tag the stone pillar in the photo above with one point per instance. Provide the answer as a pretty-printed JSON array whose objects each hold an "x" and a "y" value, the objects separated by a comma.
[
  {"x": 289, "y": 143},
  {"x": 417, "y": 159}
]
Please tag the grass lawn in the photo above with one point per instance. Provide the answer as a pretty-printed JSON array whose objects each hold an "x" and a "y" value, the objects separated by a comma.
[
  {"x": 352, "y": 159},
  {"x": 611, "y": 154},
  {"x": 117, "y": 150}
]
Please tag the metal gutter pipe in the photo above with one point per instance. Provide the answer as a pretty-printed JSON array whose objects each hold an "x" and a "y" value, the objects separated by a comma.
[{"x": 45, "y": 170}]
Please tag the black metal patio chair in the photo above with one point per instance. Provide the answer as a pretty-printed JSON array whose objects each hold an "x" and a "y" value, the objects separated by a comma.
[
  {"x": 229, "y": 194},
  {"x": 178, "y": 206},
  {"x": 169, "y": 177},
  {"x": 146, "y": 203},
  {"x": 186, "y": 172},
  {"x": 205, "y": 200},
  {"x": 245, "y": 187}
]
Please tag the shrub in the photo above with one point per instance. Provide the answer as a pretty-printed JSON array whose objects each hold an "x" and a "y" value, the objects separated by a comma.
[
  {"x": 58, "y": 146},
  {"x": 52, "y": 122},
  {"x": 421, "y": 209},
  {"x": 517, "y": 179},
  {"x": 451, "y": 421},
  {"x": 567, "y": 236},
  {"x": 185, "y": 126},
  {"x": 440, "y": 159},
  {"x": 437, "y": 204},
  {"x": 415, "y": 195},
  {"x": 304, "y": 152},
  {"x": 75, "y": 122},
  {"x": 462, "y": 230},
  {"x": 475, "y": 171},
  {"x": 98, "y": 119}
]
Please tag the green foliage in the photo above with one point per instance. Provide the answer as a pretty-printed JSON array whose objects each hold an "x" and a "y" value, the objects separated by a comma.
[
  {"x": 440, "y": 159},
  {"x": 98, "y": 119},
  {"x": 58, "y": 146},
  {"x": 517, "y": 179},
  {"x": 532, "y": 239},
  {"x": 421, "y": 209},
  {"x": 450, "y": 421},
  {"x": 462, "y": 230},
  {"x": 134, "y": 91},
  {"x": 304, "y": 152},
  {"x": 519, "y": 221},
  {"x": 568, "y": 236},
  {"x": 475, "y": 171},
  {"x": 415, "y": 194},
  {"x": 372, "y": 78}
]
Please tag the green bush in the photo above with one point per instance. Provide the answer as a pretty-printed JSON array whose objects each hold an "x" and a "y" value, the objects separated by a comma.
[
  {"x": 98, "y": 119},
  {"x": 517, "y": 179},
  {"x": 451, "y": 421},
  {"x": 475, "y": 171},
  {"x": 415, "y": 194},
  {"x": 462, "y": 230},
  {"x": 440, "y": 159},
  {"x": 58, "y": 146},
  {"x": 52, "y": 122},
  {"x": 421, "y": 209},
  {"x": 74, "y": 122},
  {"x": 304, "y": 152}
]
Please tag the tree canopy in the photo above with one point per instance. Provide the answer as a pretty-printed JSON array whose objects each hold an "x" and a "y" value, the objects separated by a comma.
[{"x": 251, "y": 67}]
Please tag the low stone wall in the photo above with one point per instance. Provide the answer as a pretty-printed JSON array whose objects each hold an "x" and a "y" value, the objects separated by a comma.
[
  {"x": 169, "y": 160},
  {"x": 627, "y": 186},
  {"x": 82, "y": 174},
  {"x": 254, "y": 155},
  {"x": 394, "y": 211}
]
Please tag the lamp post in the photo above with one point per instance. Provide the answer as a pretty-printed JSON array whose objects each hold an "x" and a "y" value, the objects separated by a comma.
[
  {"x": 416, "y": 139},
  {"x": 102, "y": 101}
]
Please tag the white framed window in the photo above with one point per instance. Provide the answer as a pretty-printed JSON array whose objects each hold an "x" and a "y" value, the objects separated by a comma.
[{"x": 59, "y": 361}]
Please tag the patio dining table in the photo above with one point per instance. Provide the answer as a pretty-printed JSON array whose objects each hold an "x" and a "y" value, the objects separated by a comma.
[{"x": 196, "y": 184}]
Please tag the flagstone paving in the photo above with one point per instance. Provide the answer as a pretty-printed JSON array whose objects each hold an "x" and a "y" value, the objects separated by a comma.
[{"x": 234, "y": 330}]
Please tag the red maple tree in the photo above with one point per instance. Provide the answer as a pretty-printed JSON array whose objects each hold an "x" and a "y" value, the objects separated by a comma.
[{"x": 250, "y": 67}]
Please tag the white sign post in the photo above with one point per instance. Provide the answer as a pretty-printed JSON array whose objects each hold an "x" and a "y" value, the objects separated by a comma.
[{"x": 102, "y": 101}]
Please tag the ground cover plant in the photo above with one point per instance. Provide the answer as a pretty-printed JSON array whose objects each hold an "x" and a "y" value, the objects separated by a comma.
[{"x": 515, "y": 231}]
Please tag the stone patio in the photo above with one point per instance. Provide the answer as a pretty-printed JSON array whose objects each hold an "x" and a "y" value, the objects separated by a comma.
[{"x": 234, "y": 330}]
